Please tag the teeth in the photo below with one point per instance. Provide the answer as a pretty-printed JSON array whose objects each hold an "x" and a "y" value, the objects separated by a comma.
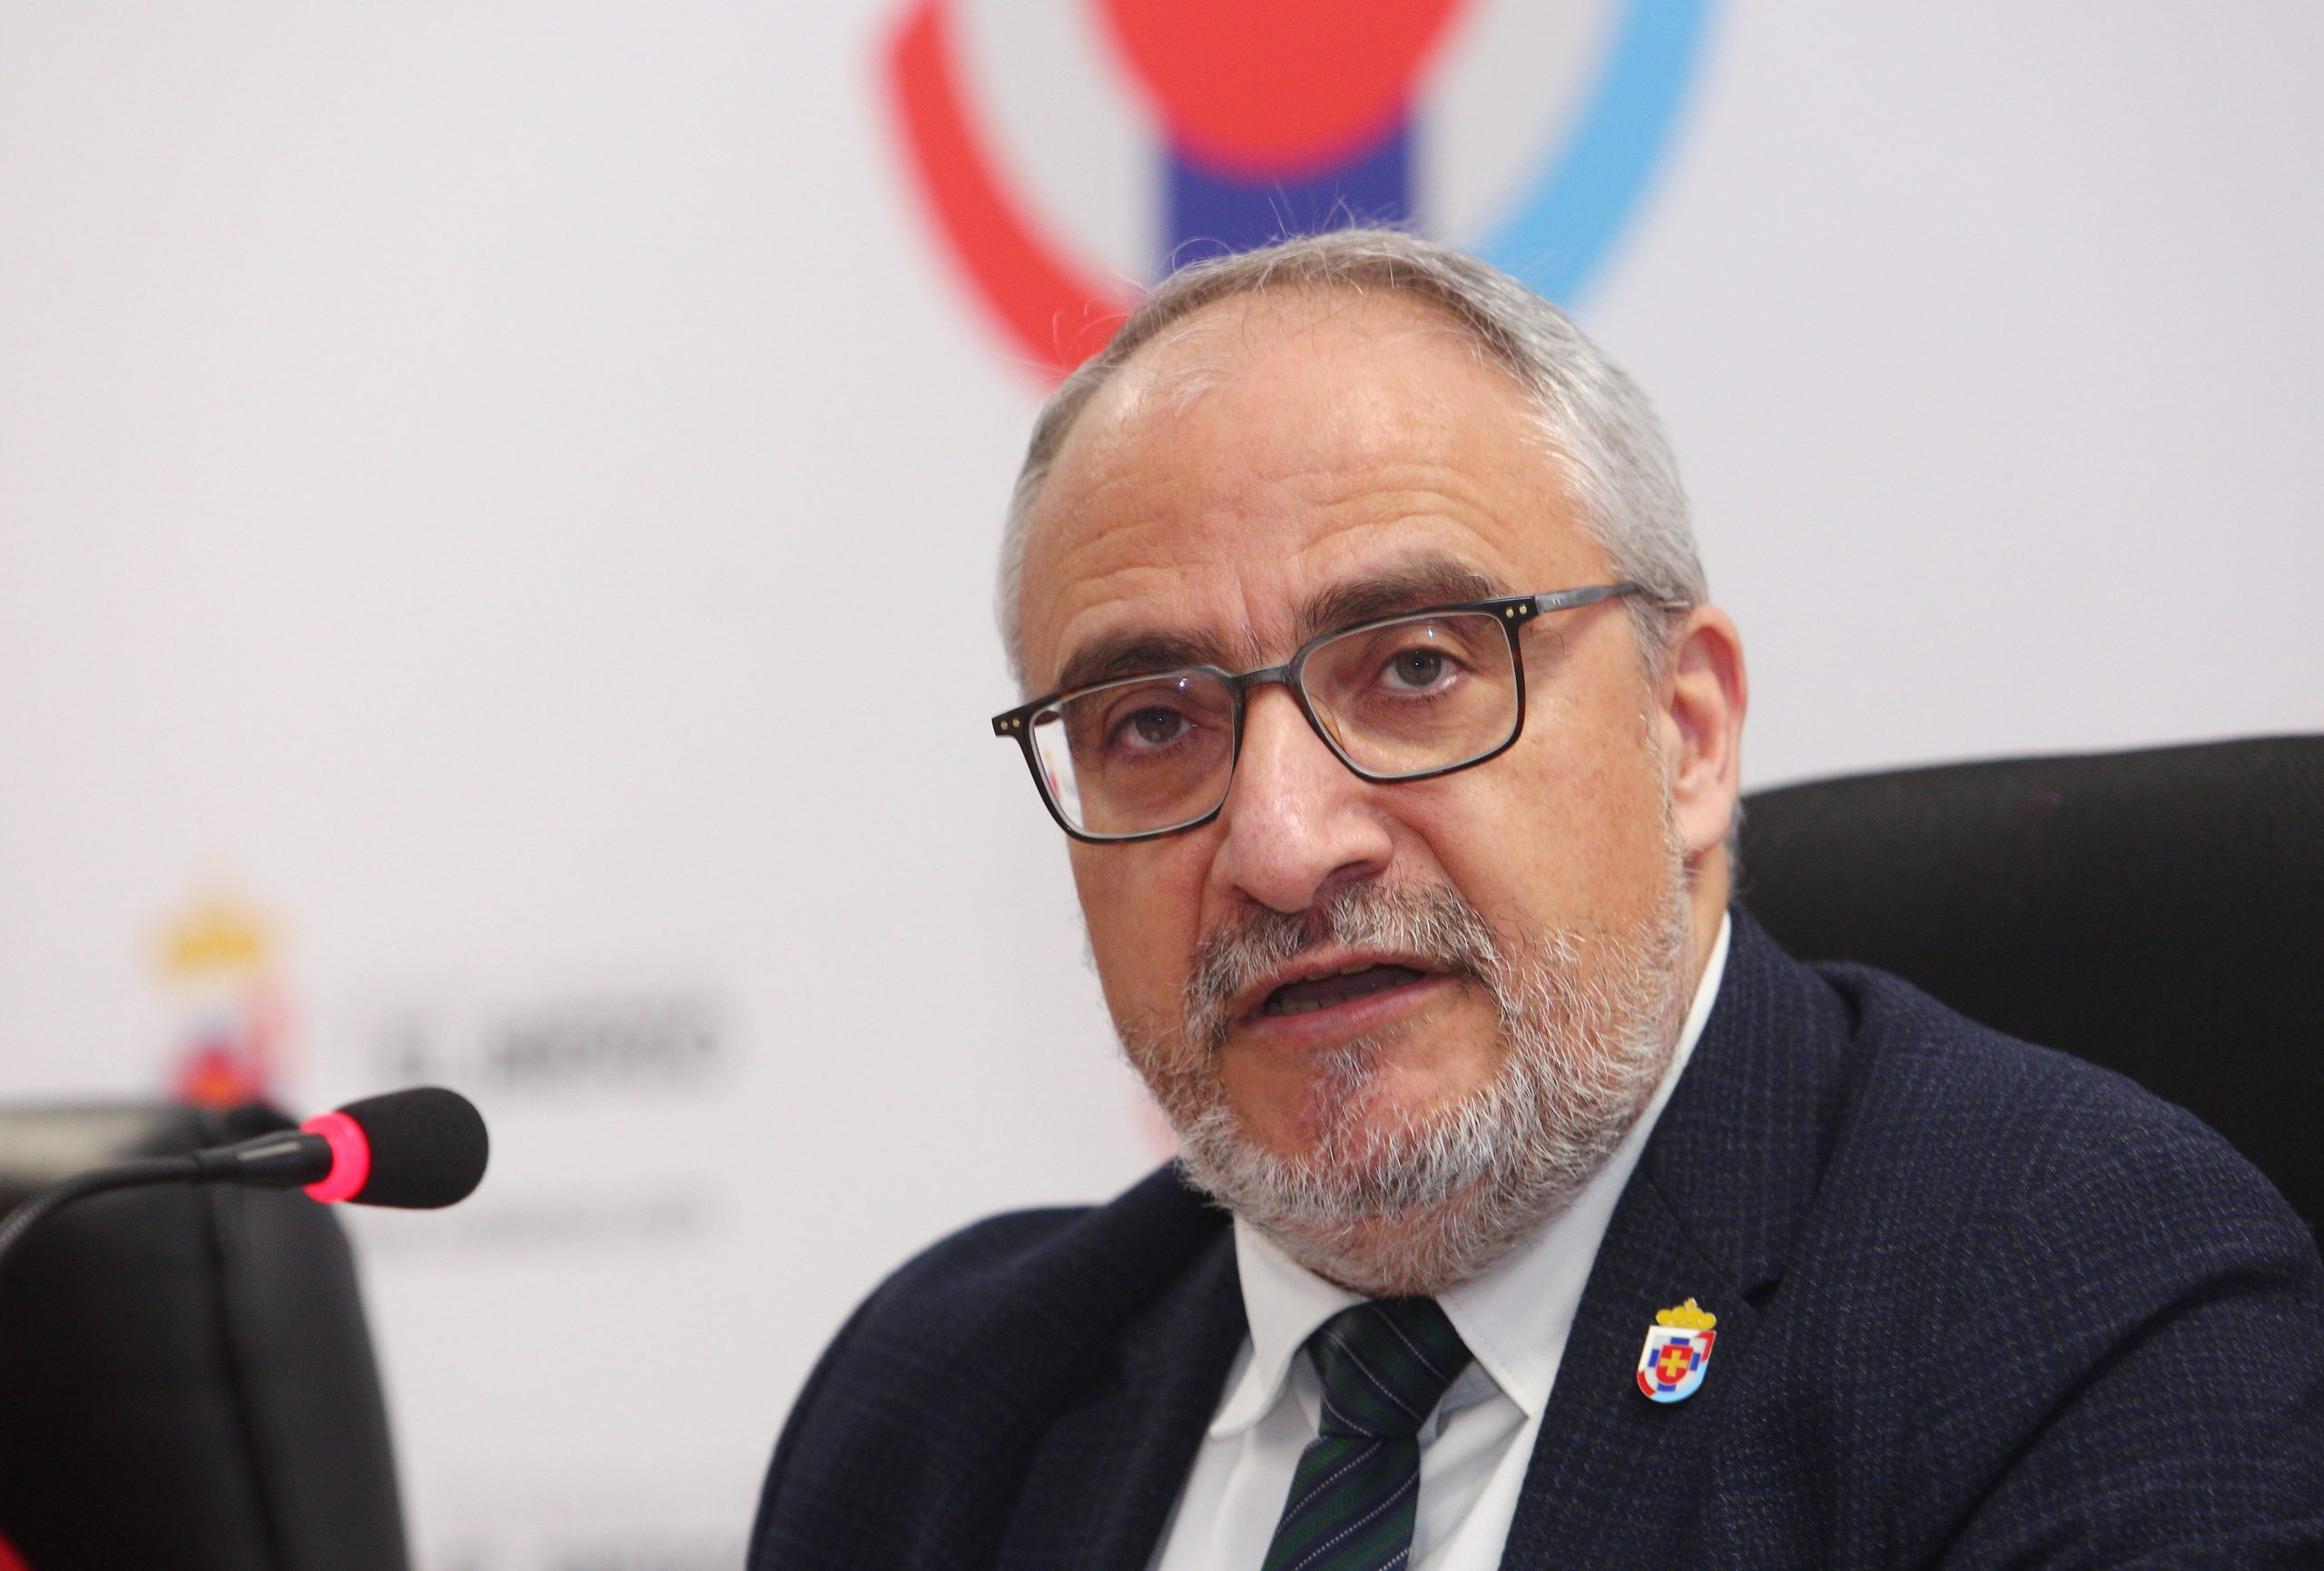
[{"x": 1303, "y": 1007}]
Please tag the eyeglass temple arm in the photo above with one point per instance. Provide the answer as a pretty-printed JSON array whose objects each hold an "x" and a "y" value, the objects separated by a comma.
[{"x": 1567, "y": 599}]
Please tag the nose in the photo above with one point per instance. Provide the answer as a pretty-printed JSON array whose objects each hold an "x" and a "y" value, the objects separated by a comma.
[{"x": 1296, "y": 822}]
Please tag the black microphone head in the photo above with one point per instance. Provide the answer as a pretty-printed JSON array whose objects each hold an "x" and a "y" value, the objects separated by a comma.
[{"x": 427, "y": 1147}]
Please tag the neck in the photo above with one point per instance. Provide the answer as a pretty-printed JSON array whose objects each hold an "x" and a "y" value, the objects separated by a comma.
[{"x": 1709, "y": 887}]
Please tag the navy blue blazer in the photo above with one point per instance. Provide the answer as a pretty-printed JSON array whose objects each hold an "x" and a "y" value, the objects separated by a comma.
[{"x": 1979, "y": 1305}]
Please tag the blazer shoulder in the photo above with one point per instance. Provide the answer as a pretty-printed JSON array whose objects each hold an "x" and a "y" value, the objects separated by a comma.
[
  {"x": 2143, "y": 1312},
  {"x": 2044, "y": 1142},
  {"x": 1008, "y": 1271},
  {"x": 930, "y": 1392},
  {"x": 989, "y": 1256}
]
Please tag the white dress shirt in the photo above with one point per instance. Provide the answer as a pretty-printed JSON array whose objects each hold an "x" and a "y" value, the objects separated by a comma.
[{"x": 1474, "y": 1449}]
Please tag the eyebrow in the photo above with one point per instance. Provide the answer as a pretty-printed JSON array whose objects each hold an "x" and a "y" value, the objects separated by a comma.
[
  {"x": 1137, "y": 654},
  {"x": 1419, "y": 581}
]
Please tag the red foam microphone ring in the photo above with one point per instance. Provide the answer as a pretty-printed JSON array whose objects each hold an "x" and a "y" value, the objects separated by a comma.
[{"x": 350, "y": 1157}]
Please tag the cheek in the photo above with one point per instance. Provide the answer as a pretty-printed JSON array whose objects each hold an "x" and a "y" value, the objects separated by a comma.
[
  {"x": 1142, "y": 904},
  {"x": 1553, "y": 835}
]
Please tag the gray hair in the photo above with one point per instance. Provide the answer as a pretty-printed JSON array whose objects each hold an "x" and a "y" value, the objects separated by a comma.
[{"x": 1617, "y": 466}]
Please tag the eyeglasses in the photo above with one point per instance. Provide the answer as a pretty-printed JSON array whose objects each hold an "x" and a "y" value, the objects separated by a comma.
[{"x": 1402, "y": 697}]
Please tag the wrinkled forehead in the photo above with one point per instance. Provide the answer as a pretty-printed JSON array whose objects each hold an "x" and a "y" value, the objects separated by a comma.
[{"x": 1277, "y": 452}]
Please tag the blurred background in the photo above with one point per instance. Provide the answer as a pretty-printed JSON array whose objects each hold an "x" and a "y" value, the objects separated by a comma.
[{"x": 497, "y": 510}]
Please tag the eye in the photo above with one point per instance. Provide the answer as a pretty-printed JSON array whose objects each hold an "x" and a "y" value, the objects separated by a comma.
[
  {"x": 1416, "y": 668},
  {"x": 1151, "y": 727}
]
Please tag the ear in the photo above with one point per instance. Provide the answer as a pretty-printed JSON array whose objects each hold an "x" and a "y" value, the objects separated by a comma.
[{"x": 1700, "y": 723}]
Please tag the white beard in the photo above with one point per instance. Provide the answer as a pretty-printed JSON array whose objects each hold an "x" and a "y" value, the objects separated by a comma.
[{"x": 1389, "y": 1203}]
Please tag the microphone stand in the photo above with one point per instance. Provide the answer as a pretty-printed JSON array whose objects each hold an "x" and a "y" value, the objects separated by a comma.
[{"x": 284, "y": 1160}]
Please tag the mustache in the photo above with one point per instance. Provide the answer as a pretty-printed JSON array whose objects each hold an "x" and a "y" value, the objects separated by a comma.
[{"x": 1431, "y": 922}]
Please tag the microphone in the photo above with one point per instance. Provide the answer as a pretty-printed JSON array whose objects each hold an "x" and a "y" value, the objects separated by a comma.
[{"x": 420, "y": 1149}]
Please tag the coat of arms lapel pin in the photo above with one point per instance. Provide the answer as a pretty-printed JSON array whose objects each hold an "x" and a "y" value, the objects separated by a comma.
[{"x": 1678, "y": 1349}]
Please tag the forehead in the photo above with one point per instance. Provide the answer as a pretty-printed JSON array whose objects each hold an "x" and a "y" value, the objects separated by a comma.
[{"x": 1277, "y": 449}]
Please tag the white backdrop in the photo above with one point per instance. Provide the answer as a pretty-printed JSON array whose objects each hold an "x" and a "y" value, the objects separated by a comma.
[{"x": 503, "y": 497}]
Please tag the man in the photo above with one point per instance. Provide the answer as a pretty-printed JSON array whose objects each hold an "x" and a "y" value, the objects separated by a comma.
[{"x": 1573, "y": 1223}]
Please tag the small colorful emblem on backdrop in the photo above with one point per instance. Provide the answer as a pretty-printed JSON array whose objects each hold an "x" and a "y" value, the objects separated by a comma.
[
  {"x": 1678, "y": 1349},
  {"x": 1070, "y": 152},
  {"x": 217, "y": 961}
]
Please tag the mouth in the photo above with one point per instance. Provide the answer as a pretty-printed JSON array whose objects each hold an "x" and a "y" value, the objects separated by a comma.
[
  {"x": 1344, "y": 986},
  {"x": 1332, "y": 995}
]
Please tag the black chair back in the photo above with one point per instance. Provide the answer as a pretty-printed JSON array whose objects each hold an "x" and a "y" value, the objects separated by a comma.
[
  {"x": 2161, "y": 913},
  {"x": 185, "y": 1375}
]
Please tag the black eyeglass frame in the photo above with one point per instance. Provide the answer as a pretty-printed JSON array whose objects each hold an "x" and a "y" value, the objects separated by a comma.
[{"x": 1513, "y": 612}]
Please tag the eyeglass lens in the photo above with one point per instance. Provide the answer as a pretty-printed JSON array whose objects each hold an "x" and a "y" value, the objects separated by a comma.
[{"x": 1407, "y": 698}]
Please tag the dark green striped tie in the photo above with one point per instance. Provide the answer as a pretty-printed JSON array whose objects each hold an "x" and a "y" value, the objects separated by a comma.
[{"x": 1384, "y": 1365}]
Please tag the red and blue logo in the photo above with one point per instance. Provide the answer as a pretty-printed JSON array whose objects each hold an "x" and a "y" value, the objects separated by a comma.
[
  {"x": 1069, "y": 152},
  {"x": 1670, "y": 1366}
]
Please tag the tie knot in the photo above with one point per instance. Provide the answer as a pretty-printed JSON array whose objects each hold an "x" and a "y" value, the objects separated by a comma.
[{"x": 1384, "y": 1365}]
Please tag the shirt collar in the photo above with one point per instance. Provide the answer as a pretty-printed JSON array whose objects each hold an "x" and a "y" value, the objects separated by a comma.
[{"x": 1514, "y": 1317}]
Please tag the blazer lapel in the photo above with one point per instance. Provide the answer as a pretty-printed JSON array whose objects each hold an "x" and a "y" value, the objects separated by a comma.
[
  {"x": 1721, "y": 1188},
  {"x": 1109, "y": 1466}
]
